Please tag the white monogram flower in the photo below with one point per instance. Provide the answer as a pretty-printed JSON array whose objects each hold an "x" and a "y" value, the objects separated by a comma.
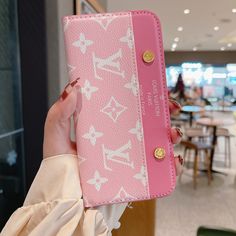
[
  {"x": 70, "y": 68},
  {"x": 82, "y": 43},
  {"x": 122, "y": 195},
  {"x": 92, "y": 135},
  {"x": 113, "y": 109},
  {"x": 104, "y": 21},
  {"x": 128, "y": 38},
  {"x": 141, "y": 176},
  {"x": 66, "y": 23},
  {"x": 97, "y": 180},
  {"x": 138, "y": 131},
  {"x": 87, "y": 89},
  {"x": 81, "y": 159},
  {"x": 133, "y": 85}
]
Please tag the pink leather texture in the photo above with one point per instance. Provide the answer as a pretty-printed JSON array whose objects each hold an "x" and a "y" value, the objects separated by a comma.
[
  {"x": 155, "y": 115},
  {"x": 123, "y": 113}
]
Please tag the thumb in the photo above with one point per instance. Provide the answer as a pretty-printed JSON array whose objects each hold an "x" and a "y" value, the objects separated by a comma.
[{"x": 58, "y": 126}]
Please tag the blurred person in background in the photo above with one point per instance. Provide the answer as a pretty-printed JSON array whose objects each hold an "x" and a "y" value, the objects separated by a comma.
[
  {"x": 194, "y": 96},
  {"x": 178, "y": 91}
]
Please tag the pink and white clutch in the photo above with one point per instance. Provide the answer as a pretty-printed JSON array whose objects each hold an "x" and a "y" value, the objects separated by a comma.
[{"x": 123, "y": 127}]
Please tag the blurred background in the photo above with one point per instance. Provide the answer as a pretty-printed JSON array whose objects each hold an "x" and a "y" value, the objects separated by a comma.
[{"x": 200, "y": 55}]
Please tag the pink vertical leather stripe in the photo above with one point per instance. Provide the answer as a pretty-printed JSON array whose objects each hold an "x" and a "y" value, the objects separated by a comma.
[{"x": 153, "y": 96}]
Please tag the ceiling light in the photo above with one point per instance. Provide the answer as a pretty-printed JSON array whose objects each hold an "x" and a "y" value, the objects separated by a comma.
[
  {"x": 186, "y": 11},
  {"x": 231, "y": 67},
  {"x": 174, "y": 45},
  {"x": 176, "y": 39},
  {"x": 229, "y": 45},
  {"x": 180, "y": 28},
  {"x": 222, "y": 48},
  {"x": 234, "y": 10},
  {"x": 216, "y": 28},
  {"x": 194, "y": 48},
  {"x": 188, "y": 65},
  {"x": 219, "y": 75}
]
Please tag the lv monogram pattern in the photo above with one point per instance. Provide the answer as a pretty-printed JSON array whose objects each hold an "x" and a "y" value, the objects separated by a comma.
[{"x": 101, "y": 51}]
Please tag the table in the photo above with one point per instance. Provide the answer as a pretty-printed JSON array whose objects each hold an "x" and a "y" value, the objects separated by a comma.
[
  {"x": 220, "y": 108},
  {"x": 191, "y": 110},
  {"x": 214, "y": 123}
]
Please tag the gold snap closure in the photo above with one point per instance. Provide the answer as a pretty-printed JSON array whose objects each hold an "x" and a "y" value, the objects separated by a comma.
[
  {"x": 159, "y": 153},
  {"x": 148, "y": 56}
]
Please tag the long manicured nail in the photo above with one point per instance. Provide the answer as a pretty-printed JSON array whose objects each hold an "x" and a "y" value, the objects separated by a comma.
[
  {"x": 68, "y": 88},
  {"x": 176, "y": 135},
  {"x": 179, "y": 131},
  {"x": 181, "y": 160},
  {"x": 175, "y": 103},
  {"x": 179, "y": 164}
]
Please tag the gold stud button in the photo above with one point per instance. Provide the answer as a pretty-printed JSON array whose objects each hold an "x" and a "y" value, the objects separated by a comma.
[
  {"x": 159, "y": 153},
  {"x": 148, "y": 56}
]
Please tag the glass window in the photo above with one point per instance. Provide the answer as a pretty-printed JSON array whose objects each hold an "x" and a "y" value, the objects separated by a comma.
[{"x": 11, "y": 129}]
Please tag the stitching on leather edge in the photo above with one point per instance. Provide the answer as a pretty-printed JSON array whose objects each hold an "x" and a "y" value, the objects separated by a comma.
[
  {"x": 164, "y": 89},
  {"x": 138, "y": 103},
  {"x": 75, "y": 17}
]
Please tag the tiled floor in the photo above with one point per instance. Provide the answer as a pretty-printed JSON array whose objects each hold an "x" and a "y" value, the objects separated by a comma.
[{"x": 186, "y": 209}]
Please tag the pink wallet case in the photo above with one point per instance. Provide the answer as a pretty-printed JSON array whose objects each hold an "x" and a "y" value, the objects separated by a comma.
[{"x": 123, "y": 126}]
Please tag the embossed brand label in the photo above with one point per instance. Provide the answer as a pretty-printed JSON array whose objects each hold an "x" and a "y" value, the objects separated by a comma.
[{"x": 150, "y": 99}]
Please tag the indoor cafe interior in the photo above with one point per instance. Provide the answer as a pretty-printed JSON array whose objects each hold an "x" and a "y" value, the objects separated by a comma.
[{"x": 199, "y": 43}]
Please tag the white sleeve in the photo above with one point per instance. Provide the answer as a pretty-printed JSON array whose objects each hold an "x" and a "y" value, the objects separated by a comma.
[{"x": 53, "y": 206}]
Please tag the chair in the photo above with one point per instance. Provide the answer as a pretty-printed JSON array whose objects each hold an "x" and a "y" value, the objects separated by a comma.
[
  {"x": 177, "y": 123},
  {"x": 207, "y": 102},
  {"x": 196, "y": 134},
  {"x": 179, "y": 120},
  {"x": 198, "y": 147},
  {"x": 206, "y": 231},
  {"x": 222, "y": 132}
]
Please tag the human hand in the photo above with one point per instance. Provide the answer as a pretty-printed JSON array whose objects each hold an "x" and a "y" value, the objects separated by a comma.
[
  {"x": 57, "y": 129},
  {"x": 58, "y": 125}
]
